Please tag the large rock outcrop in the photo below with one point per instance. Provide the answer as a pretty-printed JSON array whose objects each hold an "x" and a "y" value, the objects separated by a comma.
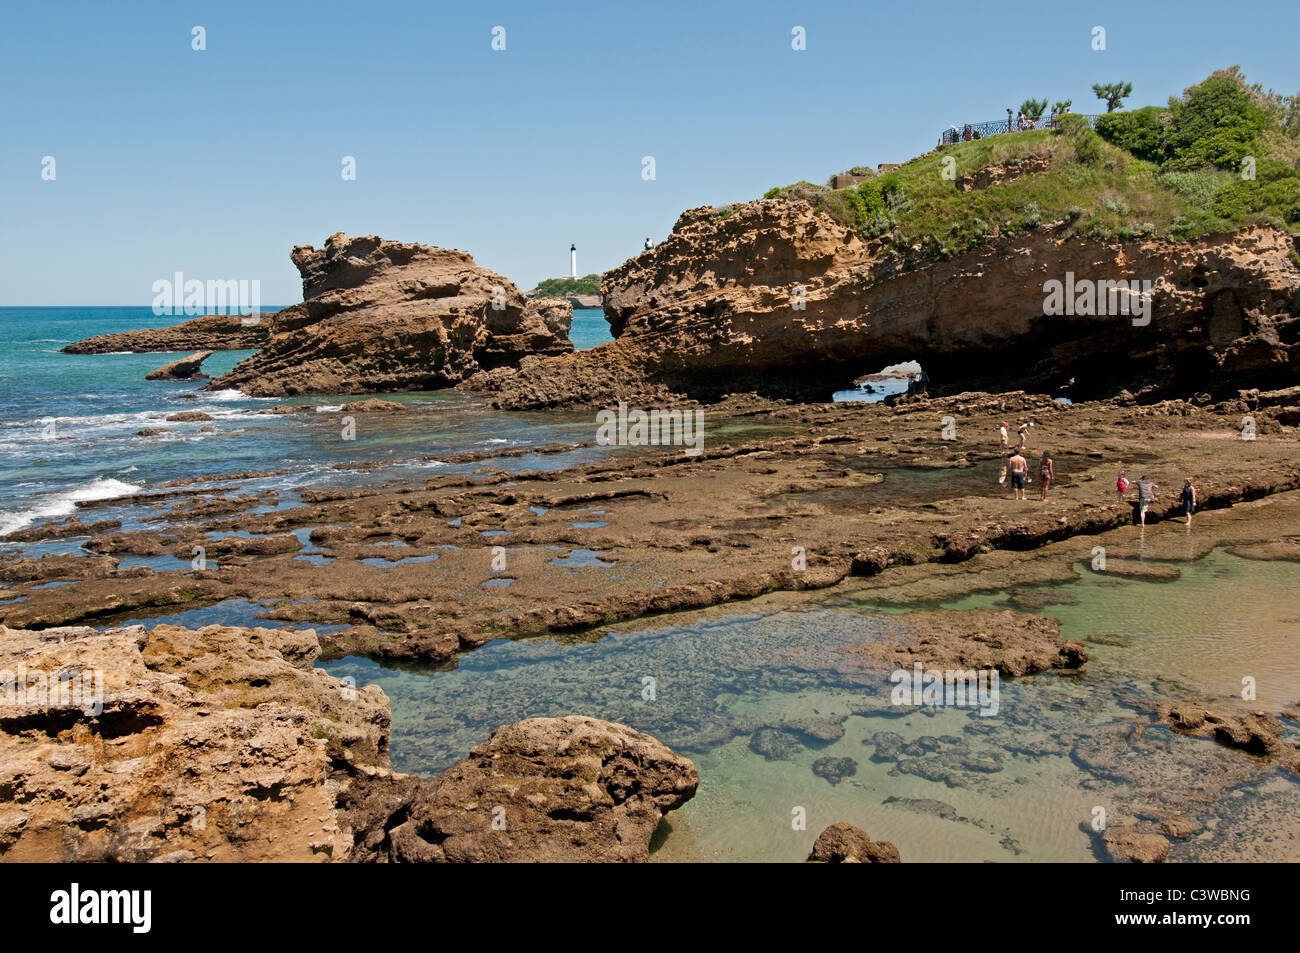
[
  {"x": 384, "y": 316},
  {"x": 779, "y": 298},
  {"x": 222, "y": 744}
]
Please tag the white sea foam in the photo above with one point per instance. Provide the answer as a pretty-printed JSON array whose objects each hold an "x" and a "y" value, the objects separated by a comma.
[{"x": 65, "y": 503}]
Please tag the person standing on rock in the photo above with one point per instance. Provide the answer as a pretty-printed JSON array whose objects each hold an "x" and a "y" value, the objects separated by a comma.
[
  {"x": 1188, "y": 499},
  {"x": 1146, "y": 496},
  {"x": 1046, "y": 473},
  {"x": 1023, "y": 434},
  {"x": 1003, "y": 429},
  {"x": 1018, "y": 469},
  {"x": 1121, "y": 487}
]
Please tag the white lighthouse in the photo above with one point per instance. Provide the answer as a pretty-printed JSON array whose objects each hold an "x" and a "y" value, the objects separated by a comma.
[{"x": 573, "y": 261}]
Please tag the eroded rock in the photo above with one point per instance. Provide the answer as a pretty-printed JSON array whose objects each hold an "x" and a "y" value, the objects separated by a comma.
[
  {"x": 550, "y": 789},
  {"x": 845, "y": 844}
]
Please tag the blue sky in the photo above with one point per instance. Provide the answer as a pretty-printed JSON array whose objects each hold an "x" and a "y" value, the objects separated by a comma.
[{"x": 216, "y": 163}]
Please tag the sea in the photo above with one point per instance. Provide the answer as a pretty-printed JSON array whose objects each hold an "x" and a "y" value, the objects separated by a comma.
[{"x": 69, "y": 422}]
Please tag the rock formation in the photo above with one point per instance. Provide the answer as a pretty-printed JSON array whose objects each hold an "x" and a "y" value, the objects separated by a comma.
[
  {"x": 184, "y": 369},
  {"x": 1014, "y": 643},
  {"x": 213, "y": 332},
  {"x": 225, "y": 744},
  {"x": 387, "y": 316},
  {"x": 779, "y": 298},
  {"x": 222, "y": 744},
  {"x": 1132, "y": 844},
  {"x": 845, "y": 844},
  {"x": 550, "y": 789}
]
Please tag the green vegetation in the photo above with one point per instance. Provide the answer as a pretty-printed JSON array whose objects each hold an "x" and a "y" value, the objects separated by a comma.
[
  {"x": 563, "y": 287},
  {"x": 1034, "y": 108},
  {"x": 1113, "y": 93},
  {"x": 1222, "y": 156}
]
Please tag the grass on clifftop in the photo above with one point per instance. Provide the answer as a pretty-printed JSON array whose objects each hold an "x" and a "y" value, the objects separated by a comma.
[
  {"x": 563, "y": 287},
  {"x": 1175, "y": 173}
]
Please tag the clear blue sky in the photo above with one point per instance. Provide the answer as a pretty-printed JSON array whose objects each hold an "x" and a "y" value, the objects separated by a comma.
[{"x": 216, "y": 163}]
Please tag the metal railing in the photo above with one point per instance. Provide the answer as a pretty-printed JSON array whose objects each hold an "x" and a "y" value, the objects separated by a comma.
[{"x": 981, "y": 130}]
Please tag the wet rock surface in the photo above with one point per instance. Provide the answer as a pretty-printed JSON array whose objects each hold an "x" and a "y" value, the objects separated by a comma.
[
  {"x": 870, "y": 494},
  {"x": 1013, "y": 643}
]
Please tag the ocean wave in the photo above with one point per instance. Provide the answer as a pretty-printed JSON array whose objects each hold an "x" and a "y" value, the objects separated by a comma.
[{"x": 65, "y": 503}]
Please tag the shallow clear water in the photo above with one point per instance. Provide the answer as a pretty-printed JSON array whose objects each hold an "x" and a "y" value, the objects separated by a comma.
[{"x": 1020, "y": 785}]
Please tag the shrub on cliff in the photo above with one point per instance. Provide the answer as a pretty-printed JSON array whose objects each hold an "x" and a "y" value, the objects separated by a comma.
[
  {"x": 563, "y": 287},
  {"x": 1275, "y": 191},
  {"x": 1143, "y": 132}
]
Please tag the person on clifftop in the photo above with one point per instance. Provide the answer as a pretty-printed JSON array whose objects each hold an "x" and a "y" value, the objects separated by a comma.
[{"x": 648, "y": 245}]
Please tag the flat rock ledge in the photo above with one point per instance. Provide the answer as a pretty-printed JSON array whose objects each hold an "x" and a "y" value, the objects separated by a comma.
[
  {"x": 845, "y": 844},
  {"x": 1014, "y": 643},
  {"x": 225, "y": 744}
]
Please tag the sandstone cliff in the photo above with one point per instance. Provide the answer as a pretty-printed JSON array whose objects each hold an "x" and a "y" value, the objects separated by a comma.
[
  {"x": 387, "y": 316},
  {"x": 778, "y": 297}
]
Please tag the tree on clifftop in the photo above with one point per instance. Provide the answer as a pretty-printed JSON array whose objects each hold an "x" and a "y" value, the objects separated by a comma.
[
  {"x": 1113, "y": 93},
  {"x": 1034, "y": 108}
]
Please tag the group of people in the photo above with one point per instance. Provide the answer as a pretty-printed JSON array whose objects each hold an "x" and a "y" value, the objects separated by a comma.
[
  {"x": 1017, "y": 468},
  {"x": 1017, "y": 471},
  {"x": 1146, "y": 495}
]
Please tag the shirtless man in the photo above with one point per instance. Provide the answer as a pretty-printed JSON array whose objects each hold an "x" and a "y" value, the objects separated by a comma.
[{"x": 1018, "y": 470}]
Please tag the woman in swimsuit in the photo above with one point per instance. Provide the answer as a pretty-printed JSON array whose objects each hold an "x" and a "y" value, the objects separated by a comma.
[{"x": 1046, "y": 473}]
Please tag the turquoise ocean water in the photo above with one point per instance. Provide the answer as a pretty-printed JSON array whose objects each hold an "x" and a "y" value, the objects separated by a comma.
[{"x": 68, "y": 423}]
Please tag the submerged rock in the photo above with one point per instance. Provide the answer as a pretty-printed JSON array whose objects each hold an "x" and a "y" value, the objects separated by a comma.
[
  {"x": 1011, "y": 642},
  {"x": 550, "y": 789},
  {"x": 845, "y": 844},
  {"x": 834, "y": 770}
]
